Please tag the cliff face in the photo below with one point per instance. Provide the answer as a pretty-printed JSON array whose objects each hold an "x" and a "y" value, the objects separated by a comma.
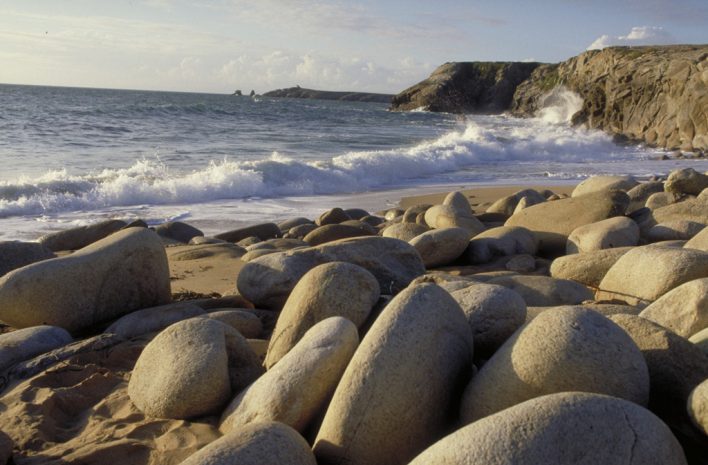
[
  {"x": 658, "y": 95},
  {"x": 299, "y": 92},
  {"x": 471, "y": 87}
]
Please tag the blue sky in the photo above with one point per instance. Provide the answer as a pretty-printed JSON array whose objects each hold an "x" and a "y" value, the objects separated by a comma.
[{"x": 378, "y": 46}]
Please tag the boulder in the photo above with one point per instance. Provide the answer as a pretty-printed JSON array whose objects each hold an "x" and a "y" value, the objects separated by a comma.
[
  {"x": 77, "y": 238},
  {"x": 543, "y": 291},
  {"x": 644, "y": 274},
  {"x": 333, "y": 216},
  {"x": 153, "y": 319},
  {"x": 587, "y": 268},
  {"x": 302, "y": 230},
  {"x": 6, "y": 448},
  {"x": 178, "y": 231},
  {"x": 676, "y": 230},
  {"x": 277, "y": 244},
  {"x": 263, "y": 232},
  {"x": 501, "y": 241},
  {"x": 553, "y": 222},
  {"x": 638, "y": 195},
  {"x": 595, "y": 184},
  {"x": 295, "y": 390},
  {"x": 683, "y": 310},
  {"x": 527, "y": 201},
  {"x": 698, "y": 406},
  {"x": 332, "y": 289},
  {"x": 191, "y": 369},
  {"x": 521, "y": 264},
  {"x": 601, "y": 308},
  {"x": 287, "y": 225},
  {"x": 412, "y": 212},
  {"x": 112, "y": 277},
  {"x": 356, "y": 213},
  {"x": 24, "y": 344},
  {"x": 564, "y": 428},
  {"x": 507, "y": 205},
  {"x": 333, "y": 232},
  {"x": 661, "y": 199},
  {"x": 15, "y": 254},
  {"x": 441, "y": 246},
  {"x": 493, "y": 312},
  {"x": 404, "y": 231},
  {"x": 256, "y": 444},
  {"x": 445, "y": 216},
  {"x": 614, "y": 232},
  {"x": 201, "y": 240},
  {"x": 567, "y": 349},
  {"x": 686, "y": 181},
  {"x": 699, "y": 241},
  {"x": 694, "y": 209},
  {"x": 243, "y": 321},
  {"x": 395, "y": 396},
  {"x": 253, "y": 254},
  {"x": 267, "y": 281},
  {"x": 700, "y": 339}
]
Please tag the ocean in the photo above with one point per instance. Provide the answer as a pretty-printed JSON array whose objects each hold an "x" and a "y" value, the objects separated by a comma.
[{"x": 72, "y": 156}]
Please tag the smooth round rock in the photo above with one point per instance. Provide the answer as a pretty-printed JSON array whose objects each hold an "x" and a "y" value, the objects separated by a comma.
[
  {"x": 543, "y": 291},
  {"x": 178, "y": 231},
  {"x": 680, "y": 230},
  {"x": 256, "y": 444},
  {"x": 23, "y": 344},
  {"x": 262, "y": 231},
  {"x": 287, "y": 225},
  {"x": 15, "y": 254},
  {"x": 333, "y": 232},
  {"x": 185, "y": 371},
  {"x": 395, "y": 396},
  {"x": 441, "y": 246},
  {"x": 595, "y": 184},
  {"x": 153, "y": 319},
  {"x": 404, "y": 231},
  {"x": 700, "y": 339},
  {"x": 109, "y": 278},
  {"x": 295, "y": 390},
  {"x": 587, "y": 268},
  {"x": 507, "y": 205},
  {"x": 80, "y": 237},
  {"x": 333, "y": 216},
  {"x": 501, "y": 241},
  {"x": 332, "y": 289},
  {"x": 638, "y": 195},
  {"x": 566, "y": 428},
  {"x": 245, "y": 322},
  {"x": 698, "y": 407},
  {"x": 568, "y": 349},
  {"x": 686, "y": 181},
  {"x": 684, "y": 310},
  {"x": 614, "y": 232}
]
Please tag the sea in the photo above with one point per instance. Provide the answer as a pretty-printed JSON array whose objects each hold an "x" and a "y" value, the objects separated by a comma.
[{"x": 75, "y": 156}]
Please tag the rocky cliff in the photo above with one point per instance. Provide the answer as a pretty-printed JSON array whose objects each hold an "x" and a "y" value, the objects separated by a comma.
[
  {"x": 299, "y": 92},
  {"x": 657, "y": 94},
  {"x": 470, "y": 87}
]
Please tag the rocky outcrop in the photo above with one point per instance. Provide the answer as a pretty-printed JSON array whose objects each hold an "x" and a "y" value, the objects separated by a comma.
[
  {"x": 299, "y": 92},
  {"x": 657, "y": 95},
  {"x": 468, "y": 87}
]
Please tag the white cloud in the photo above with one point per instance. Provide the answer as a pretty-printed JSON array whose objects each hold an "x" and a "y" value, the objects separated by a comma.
[{"x": 639, "y": 35}]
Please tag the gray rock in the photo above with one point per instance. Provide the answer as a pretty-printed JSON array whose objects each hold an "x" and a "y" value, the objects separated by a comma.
[
  {"x": 543, "y": 291},
  {"x": 686, "y": 181},
  {"x": 302, "y": 230},
  {"x": 501, "y": 241},
  {"x": 267, "y": 281},
  {"x": 441, "y": 246},
  {"x": 191, "y": 368},
  {"x": 333, "y": 216},
  {"x": 77, "y": 238},
  {"x": 15, "y": 254},
  {"x": 601, "y": 308},
  {"x": 256, "y": 444},
  {"x": 595, "y": 184},
  {"x": 684, "y": 309},
  {"x": 333, "y": 232},
  {"x": 263, "y": 231},
  {"x": 395, "y": 396},
  {"x": 611, "y": 233},
  {"x": 587, "y": 268},
  {"x": 178, "y": 231},
  {"x": 564, "y": 428},
  {"x": 445, "y": 216},
  {"x": 411, "y": 213},
  {"x": 356, "y": 213},
  {"x": 639, "y": 195},
  {"x": 677, "y": 230},
  {"x": 699, "y": 241},
  {"x": 553, "y": 222},
  {"x": 114, "y": 276},
  {"x": 567, "y": 349},
  {"x": 404, "y": 231},
  {"x": 287, "y": 225},
  {"x": 23, "y": 344},
  {"x": 698, "y": 406},
  {"x": 332, "y": 289},
  {"x": 243, "y": 321},
  {"x": 644, "y": 274},
  {"x": 493, "y": 312},
  {"x": 521, "y": 264},
  {"x": 527, "y": 201},
  {"x": 150, "y": 320},
  {"x": 694, "y": 209},
  {"x": 295, "y": 390},
  {"x": 661, "y": 199},
  {"x": 507, "y": 205}
]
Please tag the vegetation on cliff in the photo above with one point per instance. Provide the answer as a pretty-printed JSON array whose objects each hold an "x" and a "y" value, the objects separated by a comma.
[{"x": 300, "y": 92}]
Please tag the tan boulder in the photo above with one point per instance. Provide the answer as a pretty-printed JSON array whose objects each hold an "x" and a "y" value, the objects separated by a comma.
[
  {"x": 445, "y": 216},
  {"x": 564, "y": 428},
  {"x": 112, "y": 277},
  {"x": 684, "y": 309},
  {"x": 334, "y": 216},
  {"x": 639, "y": 194},
  {"x": 700, "y": 339},
  {"x": 15, "y": 254},
  {"x": 595, "y": 184},
  {"x": 295, "y": 390},
  {"x": 507, "y": 205},
  {"x": 80, "y": 237},
  {"x": 333, "y": 232},
  {"x": 243, "y": 321},
  {"x": 501, "y": 241},
  {"x": 441, "y": 246},
  {"x": 698, "y": 406},
  {"x": 332, "y": 289},
  {"x": 587, "y": 268},
  {"x": 153, "y": 319},
  {"x": 567, "y": 349},
  {"x": 543, "y": 291},
  {"x": 404, "y": 231},
  {"x": 661, "y": 199},
  {"x": 256, "y": 444},
  {"x": 699, "y": 241},
  {"x": 619, "y": 231},
  {"x": 676, "y": 230},
  {"x": 644, "y": 274},
  {"x": 395, "y": 397},
  {"x": 686, "y": 181},
  {"x": 23, "y": 344}
]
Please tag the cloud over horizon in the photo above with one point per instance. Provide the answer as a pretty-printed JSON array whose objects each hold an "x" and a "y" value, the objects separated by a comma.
[{"x": 639, "y": 35}]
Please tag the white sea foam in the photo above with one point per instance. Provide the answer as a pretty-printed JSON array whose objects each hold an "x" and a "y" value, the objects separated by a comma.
[{"x": 559, "y": 105}]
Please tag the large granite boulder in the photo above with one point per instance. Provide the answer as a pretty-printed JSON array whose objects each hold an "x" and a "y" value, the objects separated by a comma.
[
  {"x": 80, "y": 237},
  {"x": 543, "y": 291},
  {"x": 16, "y": 254},
  {"x": 507, "y": 205},
  {"x": 404, "y": 231},
  {"x": 441, "y": 246},
  {"x": 262, "y": 231},
  {"x": 595, "y": 184},
  {"x": 614, "y": 232},
  {"x": 109, "y": 278},
  {"x": 587, "y": 268},
  {"x": 267, "y": 281},
  {"x": 501, "y": 241},
  {"x": 698, "y": 406},
  {"x": 565, "y": 428},
  {"x": 23, "y": 344},
  {"x": 686, "y": 181},
  {"x": 553, "y": 222},
  {"x": 178, "y": 231},
  {"x": 684, "y": 310},
  {"x": 566, "y": 349},
  {"x": 396, "y": 395}
]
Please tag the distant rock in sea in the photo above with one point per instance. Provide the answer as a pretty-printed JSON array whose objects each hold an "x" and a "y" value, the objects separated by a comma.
[{"x": 300, "y": 92}]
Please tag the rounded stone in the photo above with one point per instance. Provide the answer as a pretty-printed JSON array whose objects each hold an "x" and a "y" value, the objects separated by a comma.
[
  {"x": 686, "y": 181},
  {"x": 153, "y": 319},
  {"x": 661, "y": 199},
  {"x": 77, "y": 238},
  {"x": 441, "y": 246},
  {"x": 568, "y": 349},
  {"x": 396, "y": 394},
  {"x": 333, "y": 232},
  {"x": 256, "y": 444},
  {"x": 178, "y": 231},
  {"x": 404, "y": 231},
  {"x": 698, "y": 406},
  {"x": 23, "y": 344},
  {"x": 699, "y": 241},
  {"x": 295, "y": 390},
  {"x": 595, "y": 184},
  {"x": 587, "y": 268},
  {"x": 15, "y": 254},
  {"x": 501, "y": 241},
  {"x": 543, "y": 291},
  {"x": 245, "y": 322},
  {"x": 684, "y": 310},
  {"x": 614, "y": 232},
  {"x": 564, "y": 428},
  {"x": 184, "y": 371},
  {"x": 677, "y": 230},
  {"x": 334, "y": 216},
  {"x": 700, "y": 339},
  {"x": 332, "y": 289}
]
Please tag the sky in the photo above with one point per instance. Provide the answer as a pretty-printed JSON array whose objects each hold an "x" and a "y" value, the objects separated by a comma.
[{"x": 375, "y": 46}]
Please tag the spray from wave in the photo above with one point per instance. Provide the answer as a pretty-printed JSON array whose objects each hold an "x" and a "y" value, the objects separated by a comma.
[{"x": 559, "y": 105}]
